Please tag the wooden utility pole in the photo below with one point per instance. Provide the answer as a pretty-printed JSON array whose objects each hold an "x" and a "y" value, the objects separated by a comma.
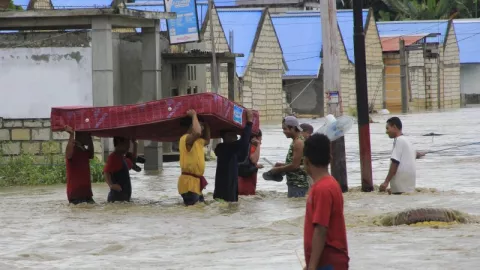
[
  {"x": 362, "y": 98},
  {"x": 331, "y": 82},
  {"x": 213, "y": 66},
  {"x": 403, "y": 76}
]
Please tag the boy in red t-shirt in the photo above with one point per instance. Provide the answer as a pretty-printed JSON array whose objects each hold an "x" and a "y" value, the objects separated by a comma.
[
  {"x": 78, "y": 153},
  {"x": 117, "y": 170},
  {"x": 325, "y": 236}
]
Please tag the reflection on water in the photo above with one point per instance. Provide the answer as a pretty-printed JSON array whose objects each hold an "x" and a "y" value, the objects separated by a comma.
[{"x": 40, "y": 231}]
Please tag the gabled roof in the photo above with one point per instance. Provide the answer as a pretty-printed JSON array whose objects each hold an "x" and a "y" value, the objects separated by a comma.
[
  {"x": 245, "y": 24},
  {"x": 468, "y": 38},
  {"x": 345, "y": 23},
  {"x": 410, "y": 28},
  {"x": 301, "y": 49},
  {"x": 392, "y": 43}
]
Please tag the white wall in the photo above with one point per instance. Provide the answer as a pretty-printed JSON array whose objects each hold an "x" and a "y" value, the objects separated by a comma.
[
  {"x": 469, "y": 74},
  {"x": 35, "y": 79}
]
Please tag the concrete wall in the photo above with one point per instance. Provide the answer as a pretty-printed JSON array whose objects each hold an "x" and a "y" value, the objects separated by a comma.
[
  {"x": 310, "y": 101},
  {"x": 470, "y": 88},
  {"x": 347, "y": 80},
  {"x": 34, "y": 137},
  {"x": 41, "y": 70},
  {"x": 41, "y": 78},
  {"x": 262, "y": 84},
  {"x": 451, "y": 71},
  {"x": 374, "y": 59},
  {"x": 416, "y": 84}
]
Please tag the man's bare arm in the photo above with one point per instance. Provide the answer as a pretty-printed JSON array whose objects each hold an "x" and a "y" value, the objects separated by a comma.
[
  {"x": 318, "y": 244},
  {"x": 296, "y": 161},
  {"x": 196, "y": 130},
  {"x": 206, "y": 135},
  {"x": 391, "y": 172}
]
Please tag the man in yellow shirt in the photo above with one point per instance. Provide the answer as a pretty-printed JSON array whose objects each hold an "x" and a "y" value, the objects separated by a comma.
[{"x": 192, "y": 161}]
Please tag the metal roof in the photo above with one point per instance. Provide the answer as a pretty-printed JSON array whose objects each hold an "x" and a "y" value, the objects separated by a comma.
[
  {"x": 392, "y": 43},
  {"x": 301, "y": 49},
  {"x": 345, "y": 23},
  {"x": 244, "y": 23},
  {"x": 468, "y": 39},
  {"x": 410, "y": 28}
]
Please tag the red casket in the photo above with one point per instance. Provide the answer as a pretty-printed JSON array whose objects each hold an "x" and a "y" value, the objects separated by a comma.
[{"x": 159, "y": 120}]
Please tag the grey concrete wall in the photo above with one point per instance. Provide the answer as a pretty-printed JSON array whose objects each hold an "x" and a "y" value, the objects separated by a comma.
[
  {"x": 310, "y": 101},
  {"x": 470, "y": 74}
]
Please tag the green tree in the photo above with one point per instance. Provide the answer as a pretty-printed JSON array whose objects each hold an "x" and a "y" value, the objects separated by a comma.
[
  {"x": 12, "y": 6},
  {"x": 429, "y": 9},
  {"x": 381, "y": 10}
]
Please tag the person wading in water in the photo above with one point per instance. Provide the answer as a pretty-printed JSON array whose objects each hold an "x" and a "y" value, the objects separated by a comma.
[
  {"x": 296, "y": 177},
  {"x": 402, "y": 173},
  {"x": 325, "y": 236},
  {"x": 117, "y": 170},
  {"x": 248, "y": 185},
  {"x": 78, "y": 153},
  {"x": 228, "y": 153},
  {"x": 192, "y": 161}
]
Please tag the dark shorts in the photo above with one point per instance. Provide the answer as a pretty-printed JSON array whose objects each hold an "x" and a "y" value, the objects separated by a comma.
[
  {"x": 297, "y": 192},
  {"x": 78, "y": 201},
  {"x": 115, "y": 196},
  {"x": 191, "y": 198}
]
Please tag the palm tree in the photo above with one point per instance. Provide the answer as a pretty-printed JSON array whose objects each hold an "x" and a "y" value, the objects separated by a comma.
[{"x": 428, "y": 9}]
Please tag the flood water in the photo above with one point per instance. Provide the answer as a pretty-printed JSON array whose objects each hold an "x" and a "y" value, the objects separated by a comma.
[{"x": 39, "y": 230}]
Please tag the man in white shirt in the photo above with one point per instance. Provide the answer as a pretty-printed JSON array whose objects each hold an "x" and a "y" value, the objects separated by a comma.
[{"x": 402, "y": 173}]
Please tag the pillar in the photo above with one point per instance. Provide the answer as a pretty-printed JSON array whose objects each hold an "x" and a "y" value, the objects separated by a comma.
[
  {"x": 231, "y": 80},
  {"x": 152, "y": 88},
  {"x": 102, "y": 69}
]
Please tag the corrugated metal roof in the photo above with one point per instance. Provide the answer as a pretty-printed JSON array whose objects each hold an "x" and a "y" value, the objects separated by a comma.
[
  {"x": 244, "y": 24},
  {"x": 410, "y": 28},
  {"x": 301, "y": 41},
  {"x": 301, "y": 49},
  {"x": 345, "y": 23},
  {"x": 468, "y": 39},
  {"x": 392, "y": 44}
]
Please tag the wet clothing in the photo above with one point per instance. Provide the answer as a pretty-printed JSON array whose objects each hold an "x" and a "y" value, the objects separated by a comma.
[
  {"x": 118, "y": 166},
  {"x": 191, "y": 198},
  {"x": 192, "y": 164},
  {"x": 325, "y": 208},
  {"x": 75, "y": 201},
  {"x": 228, "y": 157},
  {"x": 79, "y": 185},
  {"x": 404, "y": 154},
  {"x": 296, "y": 192},
  {"x": 248, "y": 185},
  {"x": 297, "y": 178}
]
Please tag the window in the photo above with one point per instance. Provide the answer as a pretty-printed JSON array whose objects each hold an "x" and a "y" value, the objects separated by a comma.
[
  {"x": 195, "y": 90},
  {"x": 192, "y": 73},
  {"x": 189, "y": 90},
  {"x": 174, "y": 92},
  {"x": 174, "y": 72}
]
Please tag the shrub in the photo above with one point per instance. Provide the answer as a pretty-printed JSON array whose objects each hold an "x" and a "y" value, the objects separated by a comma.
[{"x": 26, "y": 169}]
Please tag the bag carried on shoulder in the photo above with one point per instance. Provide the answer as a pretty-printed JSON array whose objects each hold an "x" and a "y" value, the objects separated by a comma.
[{"x": 247, "y": 168}]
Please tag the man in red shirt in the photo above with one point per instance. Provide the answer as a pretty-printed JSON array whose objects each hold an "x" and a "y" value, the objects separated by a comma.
[
  {"x": 325, "y": 236},
  {"x": 117, "y": 170},
  {"x": 78, "y": 153}
]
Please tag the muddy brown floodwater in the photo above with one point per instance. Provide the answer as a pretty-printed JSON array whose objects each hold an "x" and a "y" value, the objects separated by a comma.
[{"x": 39, "y": 230}]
